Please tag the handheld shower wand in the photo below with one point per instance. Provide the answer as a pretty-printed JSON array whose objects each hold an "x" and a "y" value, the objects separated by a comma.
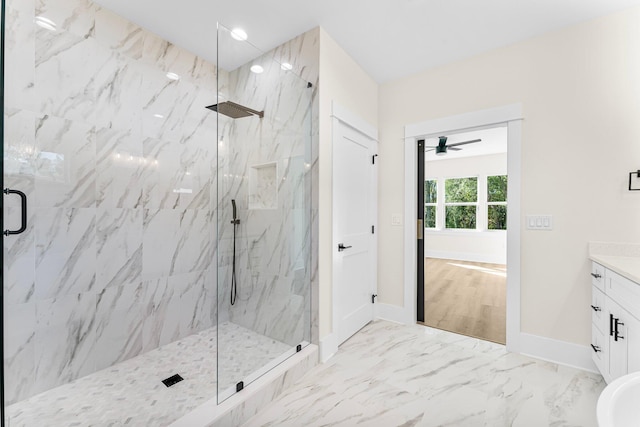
[
  {"x": 234, "y": 285},
  {"x": 235, "y": 214}
]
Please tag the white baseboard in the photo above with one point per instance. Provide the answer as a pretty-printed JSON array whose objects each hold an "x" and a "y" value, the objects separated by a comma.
[
  {"x": 560, "y": 352},
  {"x": 556, "y": 351},
  {"x": 393, "y": 313},
  {"x": 467, "y": 256},
  {"x": 328, "y": 347}
]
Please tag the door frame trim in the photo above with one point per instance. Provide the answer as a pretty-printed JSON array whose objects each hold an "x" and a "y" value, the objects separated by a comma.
[
  {"x": 3, "y": 8},
  {"x": 511, "y": 117}
]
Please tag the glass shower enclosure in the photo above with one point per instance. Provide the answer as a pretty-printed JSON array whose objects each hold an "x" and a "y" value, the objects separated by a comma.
[
  {"x": 264, "y": 199},
  {"x": 165, "y": 255}
]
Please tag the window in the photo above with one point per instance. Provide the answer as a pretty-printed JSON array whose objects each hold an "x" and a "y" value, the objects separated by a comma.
[
  {"x": 461, "y": 202},
  {"x": 497, "y": 202},
  {"x": 430, "y": 203},
  {"x": 466, "y": 203}
]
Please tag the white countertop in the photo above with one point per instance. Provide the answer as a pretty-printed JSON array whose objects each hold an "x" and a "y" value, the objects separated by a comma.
[{"x": 626, "y": 266}]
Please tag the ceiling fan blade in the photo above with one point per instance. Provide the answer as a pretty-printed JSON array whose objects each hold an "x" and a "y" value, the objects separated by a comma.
[
  {"x": 430, "y": 146},
  {"x": 463, "y": 143},
  {"x": 454, "y": 149},
  {"x": 433, "y": 149}
]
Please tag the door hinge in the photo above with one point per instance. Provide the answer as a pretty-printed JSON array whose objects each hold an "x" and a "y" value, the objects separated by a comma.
[
  {"x": 373, "y": 229},
  {"x": 373, "y": 159},
  {"x": 373, "y": 298}
]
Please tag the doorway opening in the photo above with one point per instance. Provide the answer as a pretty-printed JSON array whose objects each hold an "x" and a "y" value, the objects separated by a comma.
[
  {"x": 462, "y": 198},
  {"x": 510, "y": 116}
]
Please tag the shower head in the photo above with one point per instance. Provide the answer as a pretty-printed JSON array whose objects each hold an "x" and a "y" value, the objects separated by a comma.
[{"x": 235, "y": 111}]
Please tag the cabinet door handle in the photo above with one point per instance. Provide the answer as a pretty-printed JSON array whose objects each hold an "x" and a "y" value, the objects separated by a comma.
[
  {"x": 595, "y": 308},
  {"x": 596, "y": 275},
  {"x": 595, "y": 348},
  {"x": 610, "y": 324},
  {"x": 617, "y": 335}
]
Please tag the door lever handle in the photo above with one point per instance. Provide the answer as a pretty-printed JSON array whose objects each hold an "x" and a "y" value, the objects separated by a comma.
[{"x": 342, "y": 247}]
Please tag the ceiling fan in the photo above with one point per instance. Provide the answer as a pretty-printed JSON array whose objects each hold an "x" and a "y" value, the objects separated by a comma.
[{"x": 442, "y": 147}]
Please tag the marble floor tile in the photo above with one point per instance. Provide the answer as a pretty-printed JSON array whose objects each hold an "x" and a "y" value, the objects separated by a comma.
[
  {"x": 131, "y": 393},
  {"x": 394, "y": 375}
]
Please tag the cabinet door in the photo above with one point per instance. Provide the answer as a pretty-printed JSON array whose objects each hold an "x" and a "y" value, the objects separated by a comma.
[
  {"x": 633, "y": 343},
  {"x": 618, "y": 339}
]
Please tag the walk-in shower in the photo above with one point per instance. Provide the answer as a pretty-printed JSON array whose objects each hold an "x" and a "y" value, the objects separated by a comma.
[{"x": 146, "y": 211}]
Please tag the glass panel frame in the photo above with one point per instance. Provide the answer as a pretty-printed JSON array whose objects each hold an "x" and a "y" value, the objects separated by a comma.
[{"x": 263, "y": 165}]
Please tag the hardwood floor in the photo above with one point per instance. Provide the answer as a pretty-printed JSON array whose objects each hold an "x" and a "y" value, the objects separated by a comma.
[{"x": 467, "y": 298}]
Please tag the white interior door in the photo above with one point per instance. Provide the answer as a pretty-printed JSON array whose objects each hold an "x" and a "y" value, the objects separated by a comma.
[{"x": 354, "y": 218}]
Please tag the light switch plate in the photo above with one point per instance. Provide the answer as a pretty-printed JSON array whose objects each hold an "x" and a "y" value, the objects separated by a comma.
[
  {"x": 396, "y": 219},
  {"x": 539, "y": 222}
]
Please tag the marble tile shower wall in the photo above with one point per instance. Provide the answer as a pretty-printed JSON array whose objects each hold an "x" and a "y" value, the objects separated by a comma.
[
  {"x": 267, "y": 168},
  {"x": 117, "y": 161}
]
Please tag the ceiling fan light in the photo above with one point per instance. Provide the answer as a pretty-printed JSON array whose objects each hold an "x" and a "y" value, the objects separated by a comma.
[{"x": 441, "y": 151}]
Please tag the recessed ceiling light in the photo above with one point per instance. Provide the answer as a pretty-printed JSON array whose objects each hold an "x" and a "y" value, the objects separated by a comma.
[
  {"x": 172, "y": 76},
  {"x": 46, "y": 23},
  {"x": 286, "y": 66},
  {"x": 158, "y": 116},
  {"x": 257, "y": 69},
  {"x": 239, "y": 34}
]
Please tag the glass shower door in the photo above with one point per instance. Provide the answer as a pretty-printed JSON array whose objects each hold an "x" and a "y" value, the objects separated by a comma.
[
  {"x": 111, "y": 287},
  {"x": 263, "y": 181}
]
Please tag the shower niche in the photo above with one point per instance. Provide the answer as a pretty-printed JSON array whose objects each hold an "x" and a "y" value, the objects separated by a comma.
[{"x": 263, "y": 186}]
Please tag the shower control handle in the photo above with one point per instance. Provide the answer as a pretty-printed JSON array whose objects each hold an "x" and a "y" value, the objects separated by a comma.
[{"x": 342, "y": 247}]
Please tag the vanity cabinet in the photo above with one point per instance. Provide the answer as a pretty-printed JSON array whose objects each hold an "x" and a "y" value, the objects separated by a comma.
[{"x": 615, "y": 328}]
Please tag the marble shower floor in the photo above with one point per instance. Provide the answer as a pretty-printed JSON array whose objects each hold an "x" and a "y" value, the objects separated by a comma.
[
  {"x": 394, "y": 375},
  {"x": 131, "y": 393}
]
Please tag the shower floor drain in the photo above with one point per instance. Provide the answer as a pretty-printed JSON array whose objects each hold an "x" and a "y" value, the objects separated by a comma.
[{"x": 172, "y": 380}]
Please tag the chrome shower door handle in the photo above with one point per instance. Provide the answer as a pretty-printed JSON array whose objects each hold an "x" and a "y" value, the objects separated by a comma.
[
  {"x": 23, "y": 202},
  {"x": 342, "y": 247}
]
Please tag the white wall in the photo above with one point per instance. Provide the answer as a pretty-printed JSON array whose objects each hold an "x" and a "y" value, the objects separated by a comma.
[
  {"x": 467, "y": 245},
  {"x": 580, "y": 92},
  {"x": 341, "y": 80}
]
